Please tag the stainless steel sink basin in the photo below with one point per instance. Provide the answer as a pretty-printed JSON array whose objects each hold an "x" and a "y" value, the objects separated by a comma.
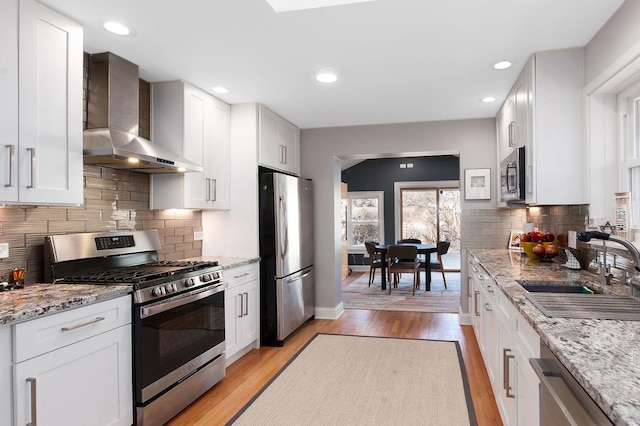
[{"x": 570, "y": 299}]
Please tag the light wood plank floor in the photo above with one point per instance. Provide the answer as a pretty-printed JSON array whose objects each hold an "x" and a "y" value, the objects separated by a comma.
[{"x": 249, "y": 374}]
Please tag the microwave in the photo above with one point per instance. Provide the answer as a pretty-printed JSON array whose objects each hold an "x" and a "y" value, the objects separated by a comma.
[{"x": 512, "y": 177}]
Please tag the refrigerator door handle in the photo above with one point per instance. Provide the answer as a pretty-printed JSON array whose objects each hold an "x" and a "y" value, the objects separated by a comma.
[{"x": 284, "y": 232}]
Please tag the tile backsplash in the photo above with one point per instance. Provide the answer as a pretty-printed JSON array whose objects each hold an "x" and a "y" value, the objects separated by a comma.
[{"x": 113, "y": 200}]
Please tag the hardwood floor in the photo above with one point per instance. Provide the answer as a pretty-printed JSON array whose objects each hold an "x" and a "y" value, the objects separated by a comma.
[{"x": 249, "y": 374}]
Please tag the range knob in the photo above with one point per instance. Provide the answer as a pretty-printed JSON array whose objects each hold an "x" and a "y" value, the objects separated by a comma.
[
  {"x": 189, "y": 282},
  {"x": 206, "y": 278},
  {"x": 158, "y": 291},
  {"x": 171, "y": 288}
]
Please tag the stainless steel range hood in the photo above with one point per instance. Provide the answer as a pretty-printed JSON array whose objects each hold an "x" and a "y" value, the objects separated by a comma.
[{"x": 111, "y": 138}]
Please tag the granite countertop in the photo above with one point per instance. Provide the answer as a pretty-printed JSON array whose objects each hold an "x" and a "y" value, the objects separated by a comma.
[
  {"x": 603, "y": 355},
  {"x": 227, "y": 262},
  {"x": 36, "y": 300}
]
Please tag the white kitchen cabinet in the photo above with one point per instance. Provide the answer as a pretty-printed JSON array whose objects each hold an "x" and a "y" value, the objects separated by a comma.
[
  {"x": 41, "y": 106},
  {"x": 75, "y": 367},
  {"x": 546, "y": 108},
  {"x": 279, "y": 142},
  {"x": 506, "y": 341},
  {"x": 196, "y": 125},
  {"x": 242, "y": 310},
  {"x": 5, "y": 375}
]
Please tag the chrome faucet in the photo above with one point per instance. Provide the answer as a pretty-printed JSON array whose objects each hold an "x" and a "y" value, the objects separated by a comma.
[{"x": 635, "y": 255}]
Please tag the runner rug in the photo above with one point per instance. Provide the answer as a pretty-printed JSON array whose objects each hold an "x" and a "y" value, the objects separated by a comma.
[
  {"x": 358, "y": 294},
  {"x": 355, "y": 380}
]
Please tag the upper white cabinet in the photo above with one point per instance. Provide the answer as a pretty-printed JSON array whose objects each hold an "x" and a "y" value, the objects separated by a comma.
[
  {"x": 279, "y": 142},
  {"x": 40, "y": 106},
  {"x": 543, "y": 114},
  {"x": 196, "y": 125}
]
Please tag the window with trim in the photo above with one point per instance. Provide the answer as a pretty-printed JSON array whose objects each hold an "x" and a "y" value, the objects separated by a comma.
[
  {"x": 629, "y": 120},
  {"x": 365, "y": 218}
]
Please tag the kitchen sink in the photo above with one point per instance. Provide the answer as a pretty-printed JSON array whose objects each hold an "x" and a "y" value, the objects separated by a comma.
[{"x": 571, "y": 299}]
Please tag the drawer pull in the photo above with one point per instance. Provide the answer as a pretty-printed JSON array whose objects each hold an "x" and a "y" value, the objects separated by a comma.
[
  {"x": 242, "y": 275},
  {"x": 84, "y": 324},
  {"x": 487, "y": 307},
  {"x": 475, "y": 300},
  {"x": 490, "y": 289},
  {"x": 34, "y": 411}
]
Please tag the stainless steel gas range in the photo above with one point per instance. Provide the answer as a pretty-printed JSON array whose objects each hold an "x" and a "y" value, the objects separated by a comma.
[{"x": 178, "y": 324}]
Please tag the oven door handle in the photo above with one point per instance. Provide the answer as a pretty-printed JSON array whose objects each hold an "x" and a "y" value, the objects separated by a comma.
[{"x": 165, "y": 305}]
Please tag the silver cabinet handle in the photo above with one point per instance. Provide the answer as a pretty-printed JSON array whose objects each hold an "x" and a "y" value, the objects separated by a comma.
[
  {"x": 214, "y": 187},
  {"x": 12, "y": 155},
  {"x": 474, "y": 269},
  {"x": 32, "y": 153},
  {"x": 241, "y": 306},
  {"x": 34, "y": 411},
  {"x": 487, "y": 307},
  {"x": 242, "y": 275},
  {"x": 476, "y": 303},
  {"x": 507, "y": 372},
  {"x": 481, "y": 277},
  {"x": 84, "y": 324},
  {"x": 490, "y": 289},
  {"x": 208, "y": 189},
  {"x": 246, "y": 305}
]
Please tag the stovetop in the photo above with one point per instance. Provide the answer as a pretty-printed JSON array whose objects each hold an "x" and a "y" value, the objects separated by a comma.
[{"x": 141, "y": 274}]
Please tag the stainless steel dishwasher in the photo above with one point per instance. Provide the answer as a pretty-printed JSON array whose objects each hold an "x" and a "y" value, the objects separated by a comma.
[{"x": 562, "y": 400}]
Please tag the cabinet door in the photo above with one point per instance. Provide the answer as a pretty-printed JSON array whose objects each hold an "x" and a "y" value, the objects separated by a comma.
[
  {"x": 232, "y": 320},
  {"x": 87, "y": 383},
  {"x": 527, "y": 393},
  {"x": 218, "y": 173},
  {"x": 9, "y": 100},
  {"x": 251, "y": 323},
  {"x": 290, "y": 138},
  {"x": 5, "y": 375},
  {"x": 270, "y": 149},
  {"x": 50, "y": 107},
  {"x": 505, "y": 385},
  {"x": 197, "y": 143}
]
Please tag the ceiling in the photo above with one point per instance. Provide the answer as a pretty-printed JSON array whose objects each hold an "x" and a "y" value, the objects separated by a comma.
[{"x": 397, "y": 60}]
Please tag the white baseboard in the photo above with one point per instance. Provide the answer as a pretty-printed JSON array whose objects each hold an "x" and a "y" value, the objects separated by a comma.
[
  {"x": 464, "y": 318},
  {"x": 330, "y": 313}
]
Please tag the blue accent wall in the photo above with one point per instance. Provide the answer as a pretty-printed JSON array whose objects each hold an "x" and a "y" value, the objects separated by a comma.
[{"x": 381, "y": 174}]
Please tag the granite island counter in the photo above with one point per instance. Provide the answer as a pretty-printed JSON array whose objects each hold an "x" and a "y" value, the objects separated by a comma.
[{"x": 602, "y": 355}]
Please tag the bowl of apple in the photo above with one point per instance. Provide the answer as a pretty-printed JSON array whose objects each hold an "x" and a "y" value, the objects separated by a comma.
[{"x": 539, "y": 246}]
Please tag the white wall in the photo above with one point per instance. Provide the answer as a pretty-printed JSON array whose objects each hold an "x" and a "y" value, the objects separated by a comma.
[{"x": 321, "y": 150}]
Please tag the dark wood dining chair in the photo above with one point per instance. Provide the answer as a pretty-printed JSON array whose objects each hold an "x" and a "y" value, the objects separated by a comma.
[
  {"x": 374, "y": 259},
  {"x": 403, "y": 258},
  {"x": 442, "y": 249}
]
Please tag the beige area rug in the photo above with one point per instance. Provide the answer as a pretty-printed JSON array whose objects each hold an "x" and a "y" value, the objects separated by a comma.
[
  {"x": 358, "y": 294},
  {"x": 355, "y": 380}
]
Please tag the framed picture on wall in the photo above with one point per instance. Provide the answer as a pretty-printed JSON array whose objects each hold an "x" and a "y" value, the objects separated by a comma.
[
  {"x": 514, "y": 239},
  {"x": 477, "y": 184}
]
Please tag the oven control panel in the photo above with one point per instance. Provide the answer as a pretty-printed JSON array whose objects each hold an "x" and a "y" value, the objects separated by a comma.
[
  {"x": 191, "y": 281},
  {"x": 114, "y": 242}
]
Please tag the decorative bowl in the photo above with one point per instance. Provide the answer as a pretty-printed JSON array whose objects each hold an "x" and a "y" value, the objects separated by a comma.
[{"x": 528, "y": 249}]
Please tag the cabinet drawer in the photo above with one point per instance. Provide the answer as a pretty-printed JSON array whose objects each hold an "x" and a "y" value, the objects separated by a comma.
[
  {"x": 241, "y": 274},
  {"x": 35, "y": 337}
]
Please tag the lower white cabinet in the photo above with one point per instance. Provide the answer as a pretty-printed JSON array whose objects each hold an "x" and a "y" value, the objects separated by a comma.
[
  {"x": 242, "y": 310},
  {"x": 75, "y": 367},
  {"x": 507, "y": 342},
  {"x": 5, "y": 375}
]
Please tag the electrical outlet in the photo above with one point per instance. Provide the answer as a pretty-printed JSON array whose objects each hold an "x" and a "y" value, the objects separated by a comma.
[
  {"x": 4, "y": 250},
  {"x": 197, "y": 236}
]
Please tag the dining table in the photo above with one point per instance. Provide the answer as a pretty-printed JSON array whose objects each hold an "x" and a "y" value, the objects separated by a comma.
[{"x": 425, "y": 248}]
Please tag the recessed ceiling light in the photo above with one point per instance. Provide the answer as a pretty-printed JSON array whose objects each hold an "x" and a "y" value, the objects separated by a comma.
[
  {"x": 327, "y": 75},
  {"x": 289, "y": 5},
  {"x": 502, "y": 65},
  {"x": 488, "y": 99},
  {"x": 220, "y": 89},
  {"x": 116, "y": 28}
]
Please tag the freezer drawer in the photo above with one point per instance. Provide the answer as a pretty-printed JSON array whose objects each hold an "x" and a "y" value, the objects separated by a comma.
[{"x": 295, "y": 297}]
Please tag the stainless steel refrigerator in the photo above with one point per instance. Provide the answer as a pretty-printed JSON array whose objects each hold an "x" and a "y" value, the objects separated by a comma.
[{"x": 287, "y": 290}]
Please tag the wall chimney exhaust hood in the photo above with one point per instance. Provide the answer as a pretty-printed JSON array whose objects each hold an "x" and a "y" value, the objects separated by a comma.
[{"x": 111, "y": 138}]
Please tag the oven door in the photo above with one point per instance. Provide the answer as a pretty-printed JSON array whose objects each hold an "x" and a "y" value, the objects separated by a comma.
[{"x": 175, "y": 337}]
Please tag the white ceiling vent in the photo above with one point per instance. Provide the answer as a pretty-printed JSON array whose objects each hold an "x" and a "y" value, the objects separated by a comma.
[{"x": 289, "y": 5}]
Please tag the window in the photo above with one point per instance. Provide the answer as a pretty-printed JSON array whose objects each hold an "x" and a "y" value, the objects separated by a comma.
[
  {"x": 365, "y": 218},
  {"x": 629, "y": 119}
]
